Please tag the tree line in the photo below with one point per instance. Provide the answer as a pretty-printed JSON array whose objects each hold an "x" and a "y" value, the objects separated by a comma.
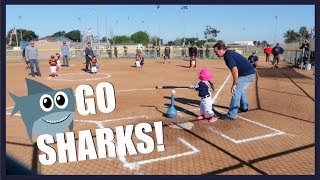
[{"x": 144, "y": 38}]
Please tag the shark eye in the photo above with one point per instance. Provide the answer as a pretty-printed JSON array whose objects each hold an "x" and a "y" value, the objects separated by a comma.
[
  {"x": 46, "y": 102},
  {"x": 61, "y": 99}
]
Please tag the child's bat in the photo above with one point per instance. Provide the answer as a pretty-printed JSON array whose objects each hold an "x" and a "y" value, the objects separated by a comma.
[{"x": 171, "y": 87}]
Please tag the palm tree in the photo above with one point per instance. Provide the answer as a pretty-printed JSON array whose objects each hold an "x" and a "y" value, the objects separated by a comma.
[
  {"x": 304, "y": 33},
  {"x": 291, "y": 36}
]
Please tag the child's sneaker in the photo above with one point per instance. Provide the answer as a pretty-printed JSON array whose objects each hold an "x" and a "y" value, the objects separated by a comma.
[
  {"x": 213, "y": 118},
  {"x": 201, "y": 117}
]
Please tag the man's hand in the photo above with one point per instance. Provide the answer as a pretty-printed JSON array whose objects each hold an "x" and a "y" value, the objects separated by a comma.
[{"x": 233, "y": 88}]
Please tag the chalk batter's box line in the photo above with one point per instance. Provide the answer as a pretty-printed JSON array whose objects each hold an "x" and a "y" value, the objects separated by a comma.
[{"x": 136, "y": 165}]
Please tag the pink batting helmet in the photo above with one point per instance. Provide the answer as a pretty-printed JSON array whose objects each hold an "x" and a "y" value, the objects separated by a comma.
[{"x": 205, "y": 74}]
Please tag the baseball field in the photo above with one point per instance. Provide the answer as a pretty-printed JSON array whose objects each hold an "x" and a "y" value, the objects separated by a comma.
[{"x": 276, "y": 136}]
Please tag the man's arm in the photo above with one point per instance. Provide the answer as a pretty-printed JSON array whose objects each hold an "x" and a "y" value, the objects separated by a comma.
[{"x": 235, "y": 75}]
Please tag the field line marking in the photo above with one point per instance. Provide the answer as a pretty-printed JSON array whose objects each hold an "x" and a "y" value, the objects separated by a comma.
[
  {"x": 143, "y": 89},
  {"x": 109, "y": 120},
  {"x": 221, "y": 87},
  {"x": 96, "y": 78},
  {"x": 136, "y": 165},
  {"x": 100, "y": 125},
  {"x": 248, "y": 139},
  {"x": 17, "y": 114},
  {"x": 254, "y": 122}
]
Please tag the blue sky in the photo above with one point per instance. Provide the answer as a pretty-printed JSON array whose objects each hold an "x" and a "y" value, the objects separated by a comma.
[{"x": 235, "y": 22}]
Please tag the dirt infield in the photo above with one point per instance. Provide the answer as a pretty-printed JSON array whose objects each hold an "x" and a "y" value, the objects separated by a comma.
[{"x": 276, "y": 135}]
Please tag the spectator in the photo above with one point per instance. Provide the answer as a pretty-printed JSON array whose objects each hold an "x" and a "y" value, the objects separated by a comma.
[
  {"x": 276, "y": 51},
  {"x": 207, "y": 52},
  {"x": 305, "y": 52},
  {"x": 32, "y": 56},
  {"x": 253, "y": 59},
  {"x": 201, "y": 52},
  {"x": 158, "y": 52},
  {"x": 268, "y": 51},
  {"x": 116, "y": 51},
  {"x": 125, "y": 49},
  {"x": 89, "y": 54},
  {"x": 65, "y": 53}
]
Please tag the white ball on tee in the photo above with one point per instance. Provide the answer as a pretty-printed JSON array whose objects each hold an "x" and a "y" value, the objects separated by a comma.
[{"x": 173, "y": 91}]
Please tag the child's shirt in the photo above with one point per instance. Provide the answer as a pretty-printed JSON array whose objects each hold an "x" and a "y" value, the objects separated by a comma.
[
  {"x": 53, "y": 62},
  {"x": 204, "y": 89},
  {"x": 138, "y": 58},
  {"x": 94, "y": 62}
]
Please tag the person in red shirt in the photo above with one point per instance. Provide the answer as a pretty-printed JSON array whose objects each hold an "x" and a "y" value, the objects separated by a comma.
[{"x": 268, "y": 51}]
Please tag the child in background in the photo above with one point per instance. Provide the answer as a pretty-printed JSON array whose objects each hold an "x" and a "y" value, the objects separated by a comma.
[
  {"x": 53, "y": 66},
  {"x": 138, "y": 60},
  {"x": 193, "y": 62},
  {"x": 165, "y": 59},
  {"x": 58, "y": 61},
  {"x": 94, "y": 65},
  {"x": 205, "y": 87}
]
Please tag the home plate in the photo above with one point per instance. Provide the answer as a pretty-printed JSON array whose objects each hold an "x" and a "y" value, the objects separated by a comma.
[{"x": 186, "y": 125}]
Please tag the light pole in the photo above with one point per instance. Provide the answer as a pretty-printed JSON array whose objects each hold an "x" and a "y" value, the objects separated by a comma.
[
  {"x": 20, "y": 17},
  {"x": 275, "y": 32},
  {"x": 184, "y": 8},
  {"x": 80, "y": 29},
  {"x": 97, "y": 11}
]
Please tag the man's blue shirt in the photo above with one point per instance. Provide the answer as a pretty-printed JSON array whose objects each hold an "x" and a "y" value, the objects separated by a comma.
[{"x": 234, "y": 59}]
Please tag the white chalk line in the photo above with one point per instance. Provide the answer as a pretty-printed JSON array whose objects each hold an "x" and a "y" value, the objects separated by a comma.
[
  {"x": 257, "y": 123},
  {"x": 136, "y": 165},
  {"x": 221, "y": 87},
  {"x": 143, "y": 89},
  {"x": 17, "y": 114},
  {"x": 110, "y": 120},
  {"x": 248, "y": 139},
  {"x": 88, "y": 79}
]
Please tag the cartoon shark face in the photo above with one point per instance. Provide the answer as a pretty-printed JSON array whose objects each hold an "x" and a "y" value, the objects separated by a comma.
[{"x": 44, "y": 110}]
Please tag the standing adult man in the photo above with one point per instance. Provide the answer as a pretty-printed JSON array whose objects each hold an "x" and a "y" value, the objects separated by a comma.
[
  {"x": 276, "y": 51},
  {"x": 125, "y": 49},
  {"x": 158, "y": 52},
  {"x": 32, "y": 56},
  {"x": 115, "y": 49},
  {"x": 243, "y": 74},
  {"x": 89, "y": 54},
  {"x": 268, "y": 51},
  {"x": 65, "y": 53}
]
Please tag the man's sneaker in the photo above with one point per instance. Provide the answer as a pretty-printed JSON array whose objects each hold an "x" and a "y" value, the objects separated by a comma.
[
  {"x": 226, "y": 117},
  {"x": 242, "y": 110},
  {"x": 213, "y": 118},
  {"x": 201, "y": 117}
]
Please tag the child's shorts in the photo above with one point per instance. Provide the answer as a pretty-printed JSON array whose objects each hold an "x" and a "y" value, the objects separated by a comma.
[
  {"x": 138, "y": 64},
  {"x": 53, "y": 69}
]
